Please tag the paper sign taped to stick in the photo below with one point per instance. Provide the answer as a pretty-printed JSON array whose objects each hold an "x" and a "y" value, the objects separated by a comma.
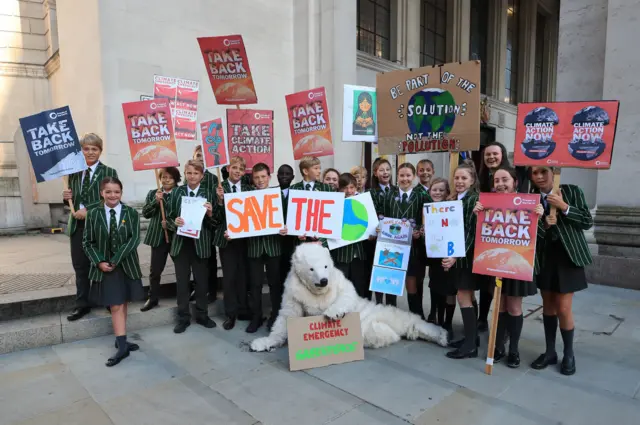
[
  {"x": 214, "y": 145},
  {"x": 429, "y": 109},
  {"x": 360, "y": 114},
  {"x": 182, "y": 95},
  {"x": 254, "y": 213},
  {"x": 316, "y": 341},
  {"x": 250, "y": 135},
  {"x": 358, "y": 222},
  {"x": 150, "y": 133},
  {"x": 506, "y": 235},
  {"x": 53, "y": 144},
  {"x": 444, "y": 229},
  {"x": 228, "y": 69},
  {"x": 192, "y": 211},
  {"x": 309, "y": 123},
  {"x": 315, "y": 214}
]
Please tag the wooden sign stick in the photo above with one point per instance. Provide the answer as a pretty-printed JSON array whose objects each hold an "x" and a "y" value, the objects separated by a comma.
[
  {"x": 454, "y": 157},
  {"x": 556, "y": 188},
  {"x": 65, "y": 179},
  {"x": 166, "y": 234},
  {"x": 495, "y": 314}
]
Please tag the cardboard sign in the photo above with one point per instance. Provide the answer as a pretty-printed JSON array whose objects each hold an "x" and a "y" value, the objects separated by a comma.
[
  {"x": 360, "y": 114},
  {"x": 388, "y": 281},
  {"x": 53, "y": 144},
  {"x": 254, "y": 213},
  {"x": 150, "y": 133},
  {"x": 183, "y": 100},
  {"x": 250, "y": 135},
  {"x": 358, "y": 222},
  {"x": 444, "y": 229},
  {"x": 315, "y": 341},
  {"x": 228, "y": 69},
  {"x": 315, "y": 214},
  {"x": 309, "y": 123},
  {"x": 396, "y": 230},
  {"x": 429, "y": 109},
  {"x": 215, "y": 152},
  {"x": 506, "y": 235},
  {"x": 566, "y": 134}
]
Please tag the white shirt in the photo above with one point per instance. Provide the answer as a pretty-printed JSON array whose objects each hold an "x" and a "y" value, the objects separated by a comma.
[
  {"x": 425, "y": 187},
  {"x": 238, "y": 186},
  {"x": 305, "y": 183},
  {"x": 107, "y": 211},
  {"x": 408, "y": 194},
  {"x": 462, "y": 195},
  {"x": 285, "y": 192},
  {"x": 383, "y": 187},
  {"x": 195, "y": 191},
  {"x": 92, "y": 171}
]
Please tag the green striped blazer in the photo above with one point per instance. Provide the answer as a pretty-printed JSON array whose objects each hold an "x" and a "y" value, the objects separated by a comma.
[
  {"x": 95, "y": 242},
  {"x": 203, "y": 243},
  {"x": 218, "y": 234},
  {"x": 377, "y": 195},
  {"x": 570, "y": 227},
  {"x": 210, "y": 180},
  {"x": 540, "y": 235},
  {"x": 317, "y": 187},
  {"x": 271, "y": 245},
  {"x": 94, "y": 199},
  {"x": 468, "y": 204},
  {"x": 151, "y": 209},
  {"x": 346, "y": 254}
]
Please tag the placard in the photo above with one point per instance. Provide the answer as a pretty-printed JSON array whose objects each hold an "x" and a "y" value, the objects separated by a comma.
[
  {"x": 192, "y": 211},
  {"x": 359, "y": 114},
  {"x": 254, "y": 213},
  {"x": 566, "y": 134},
  {"x": 316, "y": 341},
  {"x": 391, "y": 255},
  {"x": 358, "y": 222},
  {"x": 150, "y": 133},
  {"x": 53, "y": 144},
  {"x": 309, "y": 123},
  {"x": 250, "y": 135},
  {"x": 228, "y": 69},
  {"x": 506, "y": 233},
  {"x": 429, "y": 109},
  {"x": 315, "y": 214},
  {"x": 215, "y": 152},
  {"x": 182, "y": 95},
  {"x": 387, "y": 281},
  {"x": 396, "y": 230},
  {"x": 444, "y": 229}
]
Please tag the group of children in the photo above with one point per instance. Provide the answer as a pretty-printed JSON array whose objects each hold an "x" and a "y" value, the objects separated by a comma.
[{"x": 105, "y": 234}]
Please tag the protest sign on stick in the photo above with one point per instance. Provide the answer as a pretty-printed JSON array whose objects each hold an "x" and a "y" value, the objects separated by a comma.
[
  {"x": 359, "y": 114},
  {"x": 250, "y": 135},
  {"x": 254, "y": 213},
  {"x": 215, "y": 152},
  {"x": 182, "y": 95},
  {"x": 309, "y": 123}
]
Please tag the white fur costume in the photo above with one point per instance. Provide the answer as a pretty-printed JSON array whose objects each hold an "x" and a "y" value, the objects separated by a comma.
[{"x": 315, "y": 287}]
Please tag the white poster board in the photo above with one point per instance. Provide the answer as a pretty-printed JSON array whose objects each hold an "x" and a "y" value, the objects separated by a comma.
[
  {"x": 315, "y": 214},
  {"x": 358, "y": 222},
  {"x": 444, "y": 229},
  {"x": 254, "y": 213},
  {"x": 192, "y": 211}
]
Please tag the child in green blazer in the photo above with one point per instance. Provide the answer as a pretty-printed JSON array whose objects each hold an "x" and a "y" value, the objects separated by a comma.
[{"x": 111, "y": 238}]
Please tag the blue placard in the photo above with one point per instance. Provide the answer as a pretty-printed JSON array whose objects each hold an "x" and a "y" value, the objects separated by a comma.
[
  {"x": 387, "y": 281},
  {"x": 53, "y": 144}
]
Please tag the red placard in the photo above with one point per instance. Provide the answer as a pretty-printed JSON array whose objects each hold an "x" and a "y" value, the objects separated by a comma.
[
  {"x": 214, "y": 144},
  {"x": 506, "y": 236},
  {"x": 309, "y": 123},
  {"x": 228, "y": 69},
  {"x": 566, "y": 134},
  {"x": 250, "y": 135},
  {"x": 150, "y": 132}
]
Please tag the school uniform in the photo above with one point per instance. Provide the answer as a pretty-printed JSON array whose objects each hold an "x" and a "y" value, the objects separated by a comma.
[
  {"x": 287, "y": 243},
  {"x": 191, "y": 256},
  {"x": 378, "y": 193},
  {"x": 314, "y": 187},
  {"x": 155, "y": 238},
  {"x": 85, "y": 188},
  {"x": 112, "y": 235},
  {"x": 210, "y": 181},
  {"x": 351, "y": 260}
]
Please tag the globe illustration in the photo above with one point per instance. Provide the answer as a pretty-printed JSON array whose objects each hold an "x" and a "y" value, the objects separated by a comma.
[
  {"x": 429, "y": 111},
  {"x": 355, "y": 221}
]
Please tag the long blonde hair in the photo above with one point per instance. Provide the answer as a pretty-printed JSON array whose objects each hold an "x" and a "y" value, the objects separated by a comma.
[{"x": 470, "y": 167}]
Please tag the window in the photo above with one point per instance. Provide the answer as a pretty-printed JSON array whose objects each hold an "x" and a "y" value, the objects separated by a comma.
[
  {"x": 433, "y": 32},
  {"x": 374, "y": 27},
  {"x": 511, "y": 68},
  {"x": 479, "y": 34},
  {"x": 539, "y": 93}
]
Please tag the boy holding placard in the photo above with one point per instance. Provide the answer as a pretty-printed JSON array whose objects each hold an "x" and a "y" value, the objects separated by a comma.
[
  {"x": 233, "y": 253},
  {"x": 84, "y": 191},
  {"x": 285, "y": 177}
]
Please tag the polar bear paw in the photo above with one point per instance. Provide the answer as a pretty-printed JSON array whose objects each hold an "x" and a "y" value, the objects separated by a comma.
[
  {"x": 262, "y": 344},
  {"x": 334, "y": 315}
]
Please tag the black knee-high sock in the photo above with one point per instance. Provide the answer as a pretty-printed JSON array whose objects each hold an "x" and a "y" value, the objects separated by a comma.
[
  {"x": 550, "y": 329},
  {"x": 567, "y": 339},
  {"x": 441, "y": 309},
  {"x": 475, "y": 307},
  {"x": 470, "y": 322},
  {"x": 485, "y": 305},
  {"x": 450, "y": 310},
  {"x": 515, "y": 329},
  {"x": 379, "y": 296},
  {"x": 435, "y": 300},
  {"x": 121, "y": 341},
  {"x": 391, "y": 300},
  {"x": 502, "y": 331},
  {"x": 412, "y": 301}
]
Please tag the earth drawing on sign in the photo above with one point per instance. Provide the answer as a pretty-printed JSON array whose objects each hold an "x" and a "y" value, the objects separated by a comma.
[
  {"x": 355, "y": 220},
  {"x": 390, "y": 259},
  {"x": 430, "y": 111}
]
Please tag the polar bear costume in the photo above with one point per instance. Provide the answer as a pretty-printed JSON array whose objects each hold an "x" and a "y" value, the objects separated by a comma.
[{"x": 315, "y": 287}]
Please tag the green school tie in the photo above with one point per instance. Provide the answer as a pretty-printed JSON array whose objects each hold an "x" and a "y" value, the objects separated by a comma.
[
  {"x": 191, "y": 194},
  {"x": 233, "y": 189},
  {"x": 308, "y": 186},
  {"x": 404, "y": 199},
  {"x": 86, "y": 181},
  {"x": 113, "y": 228}
]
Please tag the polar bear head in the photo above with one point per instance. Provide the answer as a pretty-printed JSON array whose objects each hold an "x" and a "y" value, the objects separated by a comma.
[{"x": 313, "y": 265}]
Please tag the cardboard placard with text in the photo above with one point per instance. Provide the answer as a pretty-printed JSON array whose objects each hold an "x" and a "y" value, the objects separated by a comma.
[
  {"x": 316, "y": 341},
  {"x": 254, "y": 213},
  {"x": 250, "y": 135},
  {"x": 215, "y": 152},
  {"x": 429, "y": 109},
  {"x": 309, "y": 123},
  {"x": 506, "y": 235},
  {"x": 315, "y": 214}
]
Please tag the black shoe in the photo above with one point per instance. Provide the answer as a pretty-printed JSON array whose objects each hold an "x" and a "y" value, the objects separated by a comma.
[
  {"x": 254, "y": 326},
  {"x": 460, "y": 342},
  {"x": 117, "y": 359},
  {"x": 244, "y": 317},
  {"x": 568, "y": 366},
  {"x": 513, "y": 361},
  {"x": 78, "y": 313},
  {"x": 544, "y": 360},
  {"x": 270, "y": 323},
  {"x": 229, "y": 323},
  {"x": 207, "y": 322},
  {"x": 498, "y": 355},
  {"x": 212, "y": 298},
  {"x": 483, "y": 326},
  {"x": 181, "y": 327},
  {"x": 132, "y": 346},
  {"x": 458, "y": 353},
  {"x": 449, "y": 330},
  {"x": 149, "y": 305}
]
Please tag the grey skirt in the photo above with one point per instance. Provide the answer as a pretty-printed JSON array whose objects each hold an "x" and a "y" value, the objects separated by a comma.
[{"x": 116, "y": 288}]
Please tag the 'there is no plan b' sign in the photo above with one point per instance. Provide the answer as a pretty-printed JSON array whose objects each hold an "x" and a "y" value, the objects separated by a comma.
[{"x": 53, "y": 144}]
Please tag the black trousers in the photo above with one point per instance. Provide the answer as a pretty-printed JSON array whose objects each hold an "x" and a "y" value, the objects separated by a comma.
[
  {"x": 356, "y": 272},
  {"x": 234, "y": 278},
  {"x": 257, "y": 273},
  {"x": 187, "y": 261},
  {"x": 213, "y": 273},
  {"x": 159, "y": 256},
  {"x": 288, "y": 246},
  {"x": 81, "y": 265}
]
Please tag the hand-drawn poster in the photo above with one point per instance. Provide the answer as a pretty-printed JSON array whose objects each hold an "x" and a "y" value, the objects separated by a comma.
[
  {"x": 309, "y": 123},
  {"x": 250, "y": 135},
  {"x": 360, "y": 115},
  {"x": 396, "y": 230},
  {"x": 444, "y": 229},
  {"x": 429, "y": 109},
  {"x": 359, "y": 221},
  {"x": 215, "y": 152},
  {"x": 254, "y": 213},
  {"x": 392, "y": 255},
  {"x": 315, "y": 214},
  {"x": 388, "y": 281},
  {"x": 183, "y": 100}
]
